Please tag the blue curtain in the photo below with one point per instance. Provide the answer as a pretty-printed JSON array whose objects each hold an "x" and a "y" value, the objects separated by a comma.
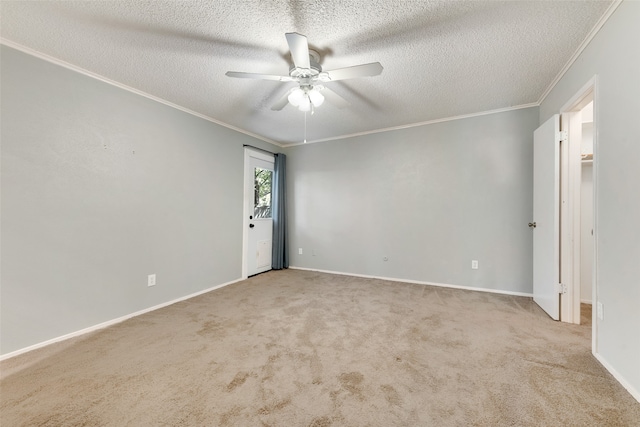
[{"x": 280, "y": 252}]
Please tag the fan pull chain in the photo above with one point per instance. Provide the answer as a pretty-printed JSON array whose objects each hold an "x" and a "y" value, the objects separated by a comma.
[{"x": 305, "y": 127}]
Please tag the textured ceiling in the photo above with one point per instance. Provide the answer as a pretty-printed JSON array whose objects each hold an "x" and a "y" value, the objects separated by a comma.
[{"x": 441, "y": 58}]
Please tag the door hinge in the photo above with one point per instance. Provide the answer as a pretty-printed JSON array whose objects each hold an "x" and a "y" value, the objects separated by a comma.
[
  {"x": 563, "y": 135},
  {"x": 562, "y": 289}
]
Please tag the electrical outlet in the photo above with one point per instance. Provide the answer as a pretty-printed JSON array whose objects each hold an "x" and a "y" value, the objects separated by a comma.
[
  {"x": 151, "y": 280},
  {"x": 313, "y": 252},
  {"x": 474, "y": 264},
  {"x": 600, "y": 310},
  {"x": 299, "y": 251}
]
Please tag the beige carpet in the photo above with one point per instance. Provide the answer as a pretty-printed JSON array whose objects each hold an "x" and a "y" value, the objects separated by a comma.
[{"x": 296, "y": 348}]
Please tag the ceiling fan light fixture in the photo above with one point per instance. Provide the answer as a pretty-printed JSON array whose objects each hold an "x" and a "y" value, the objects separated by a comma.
[
  {"x": 307, "y": 72},
  {"x": 316, "y": 97}
]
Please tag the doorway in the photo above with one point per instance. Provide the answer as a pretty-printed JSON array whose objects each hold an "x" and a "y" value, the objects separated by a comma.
[
  {"x": 577, "y": 216},
  {"x": 580, "y": 116},
  {"x": 569, "y": 282},
  {"x": 257, "y": 222}
]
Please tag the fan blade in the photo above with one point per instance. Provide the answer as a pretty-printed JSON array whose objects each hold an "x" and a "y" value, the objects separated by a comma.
[
  {"x": 241, "y": 75},
  {"x": 282, "y": 102},
  {"x": 334, "y": 98},
  {"x": 299, "y": 50},
  {"x": 364, "y": 70}
]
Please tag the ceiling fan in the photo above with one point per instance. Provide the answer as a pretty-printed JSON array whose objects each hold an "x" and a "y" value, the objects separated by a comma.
[{"x": 307, "y": 72}]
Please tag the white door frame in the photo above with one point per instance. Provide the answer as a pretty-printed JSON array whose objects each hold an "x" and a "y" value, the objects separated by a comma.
[
  {"x": 246, "y": 211},
  {"x": 570, "y": 182},
  {"x": 570, "y": 176}
]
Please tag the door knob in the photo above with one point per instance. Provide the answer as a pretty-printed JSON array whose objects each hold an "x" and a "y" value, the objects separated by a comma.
[
  {"x": 532, "y": 225},
  {"x": 251, "y": 225}
]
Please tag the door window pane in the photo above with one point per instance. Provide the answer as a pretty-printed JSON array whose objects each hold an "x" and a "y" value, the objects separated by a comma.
[{"x": 262, "y": 193}]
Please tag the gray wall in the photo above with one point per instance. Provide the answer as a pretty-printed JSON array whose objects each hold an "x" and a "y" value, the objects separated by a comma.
[
  {"x": 101, "y": 187},
  {"x": 430, "y": 198},
  {"x": 615, "y": 57}
]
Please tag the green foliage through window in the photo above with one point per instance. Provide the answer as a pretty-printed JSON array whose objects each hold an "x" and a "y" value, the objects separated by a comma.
[{"x": 262, "y": 193}]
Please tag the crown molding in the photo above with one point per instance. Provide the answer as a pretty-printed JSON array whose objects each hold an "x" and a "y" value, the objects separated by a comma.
[
  {"x": 614, "y": 5},
  {"x": 104, "y": 79},
  {"x": 412, "y": 125},
  {"x": 603, "y": 19}
]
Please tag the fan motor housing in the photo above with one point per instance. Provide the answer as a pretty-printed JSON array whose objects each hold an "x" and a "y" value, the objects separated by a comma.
[{"x": 314, "y": 69}]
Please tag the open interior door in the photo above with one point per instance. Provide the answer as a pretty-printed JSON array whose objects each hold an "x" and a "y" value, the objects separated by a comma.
[{"x": 546, "y": 216}]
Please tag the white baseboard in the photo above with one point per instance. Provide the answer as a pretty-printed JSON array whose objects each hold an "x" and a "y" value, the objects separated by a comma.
[
  {"x": 110, "y": 322},
  {"x": 635, "y": 393},
  {"x": 604, "y": 363},
  {"x": 418, "y": 282}
]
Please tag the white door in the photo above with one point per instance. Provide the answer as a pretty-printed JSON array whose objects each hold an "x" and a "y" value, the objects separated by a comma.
[
  {"x": 258, "y": 222},
  {"x": 546, "y": 216}
]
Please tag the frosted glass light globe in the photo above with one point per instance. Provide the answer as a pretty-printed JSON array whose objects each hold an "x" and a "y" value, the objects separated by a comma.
[
  {"x": 296, "y": 96},
  {"x": 316, "y": 97}
]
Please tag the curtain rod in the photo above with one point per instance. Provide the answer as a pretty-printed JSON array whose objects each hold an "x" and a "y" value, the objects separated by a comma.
[{"x": 261, "y": 149}]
